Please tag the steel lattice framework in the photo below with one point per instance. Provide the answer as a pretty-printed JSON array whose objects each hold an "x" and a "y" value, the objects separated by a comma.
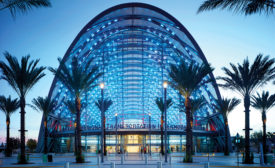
[{"x": 134, "y": 45}]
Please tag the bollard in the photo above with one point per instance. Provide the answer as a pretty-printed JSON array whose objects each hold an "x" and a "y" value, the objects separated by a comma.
[
  {"x": 142, "y": 156},
  {"x": 122, "y": 158},
  {"x": 98, "y": 159},
  {"x": 146, "y": 159},
  {"x": 206, "y": 165},
  {"x": 67, "y": 165},
  {"x": 159, "y": 164},
  {"x": 44, "y": 158},
  {"x": 113, "y": 165},
  {"x": 170, "y": 159},
  {"x": 160, "y": 156}
]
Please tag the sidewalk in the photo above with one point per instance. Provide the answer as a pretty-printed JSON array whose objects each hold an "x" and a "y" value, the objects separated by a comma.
[{"x": 133, "y": 161}]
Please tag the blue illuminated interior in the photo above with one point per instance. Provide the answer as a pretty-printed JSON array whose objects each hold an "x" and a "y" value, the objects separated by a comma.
[{"x": 133, "y": 47}]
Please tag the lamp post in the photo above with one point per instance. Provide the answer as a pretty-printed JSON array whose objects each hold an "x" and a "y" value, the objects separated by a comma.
[
  {"x": 116, "y": 132},
  {"x": 102, "y": 123},
  {"x": 165, "y": 85},
  {"x": 150, "y": 134}
]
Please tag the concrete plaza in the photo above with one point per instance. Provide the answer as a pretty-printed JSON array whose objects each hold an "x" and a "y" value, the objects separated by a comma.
[{"x": 134, "y": 161}]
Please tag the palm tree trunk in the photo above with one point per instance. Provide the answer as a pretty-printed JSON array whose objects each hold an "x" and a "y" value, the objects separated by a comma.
[
  {"x": 75, "y": 141},
  {"x": 247, "y": 129},
  {"x": 78, "y": 129},
  {"x": 22, "y": 131},
  {"x": 264, "y": 136},
  {"x": 226, "y": 150},
  {"x": 188, "y": 156},
  {"x": 8, "y": 150},
  {"x": 161, "y": 135},
  {"x": 45, "y": 136}
]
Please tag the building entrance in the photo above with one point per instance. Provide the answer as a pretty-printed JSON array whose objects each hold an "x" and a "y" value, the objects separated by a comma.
[{"x": 133, "y": 143}]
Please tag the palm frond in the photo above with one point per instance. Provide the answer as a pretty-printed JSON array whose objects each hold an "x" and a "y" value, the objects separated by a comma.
[
  {"x": 247, "y": 7},
  {"x": 45, "y": 105},
  {"x": 8, "y": 105},
  {"x": 186, "y": 78},
  {"x": 23, "y": 6},
  {"x": 225, "y": 105},
  {"x": 160, "y": 103},
  {"x": 263, "y": 102},
  {"x": 106, "y": 104},
  {"x": 77, "y": 78},
  {"x": 196, "y": 104},
  {"x": 21, "y": 77},
  {"x": 71, "y": 106},
  {"x": 245, "y": 78}
]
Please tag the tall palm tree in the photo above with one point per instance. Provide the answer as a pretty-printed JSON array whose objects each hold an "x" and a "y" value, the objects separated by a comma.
[
  {"x": 21, "y": 77},
  {"x": 8, "y": 106},
  {"x": 22, "y": 5},
  {"x": 247, "y": 7},
  {"x": 46, "y": 106},
  {"x": 264, "y": 103},
  {"x": 187, "y": 78},
  {"x": 160, "y": 103},
  {"x": 225, "y": 106},
  {"x": 245, "y": 79},
  {"x": 103, "y": 106},
  {"x": 78, "y": 79}
]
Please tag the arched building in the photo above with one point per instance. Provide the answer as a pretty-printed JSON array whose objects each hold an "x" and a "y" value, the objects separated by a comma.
[{"x": 134, "y": 44}]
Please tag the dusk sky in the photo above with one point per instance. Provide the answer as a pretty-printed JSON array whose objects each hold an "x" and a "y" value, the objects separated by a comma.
[{"x": 46, "y": 34}]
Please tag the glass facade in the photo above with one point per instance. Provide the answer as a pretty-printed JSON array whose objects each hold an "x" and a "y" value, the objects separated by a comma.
[{"x": 133, "y": 45}]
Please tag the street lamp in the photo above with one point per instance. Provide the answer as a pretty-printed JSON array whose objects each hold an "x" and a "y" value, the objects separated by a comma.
[
  {"x": 150, "y": 133},
  {"x": 165, "y": 85},
  {"x": 116, "y": 132},
  {"x": 102, "y": 123}
]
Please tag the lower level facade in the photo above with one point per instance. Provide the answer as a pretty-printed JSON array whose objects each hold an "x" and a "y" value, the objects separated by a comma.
[{"x": 128, "y": 141}]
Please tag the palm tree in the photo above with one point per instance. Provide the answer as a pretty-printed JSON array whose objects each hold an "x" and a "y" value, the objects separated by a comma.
[
  {"x": 264, "y": 103},
  {"x": 21, "y": 77},
  {"x": 225, "y": 106},
  {"x": 245, "y": 79},
  {"x": 46, "y": 106},
  {"x": 78, "y": 79},
  {"x": 22, "y": 5},
  {"x": 187, "y": 78},
  {"x": 247, "y": 7},
  {"x": 8, "y": 106},
  {"x": 103, "y": 106},
  {"x": 160, "y": 103}
]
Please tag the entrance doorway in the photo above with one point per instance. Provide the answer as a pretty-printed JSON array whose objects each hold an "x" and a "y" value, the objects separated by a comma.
[
  {"x": 133, "y": 143},
  {"x": 133, "y": 149}
]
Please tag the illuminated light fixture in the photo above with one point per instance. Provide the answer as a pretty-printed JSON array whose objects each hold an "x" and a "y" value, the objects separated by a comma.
[
  {"x": 101, "y": 85},
  {"x": 165, "y": 84}
]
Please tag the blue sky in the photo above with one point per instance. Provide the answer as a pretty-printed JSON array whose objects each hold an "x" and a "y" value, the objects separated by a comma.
[{"x": 46, "y": 33}]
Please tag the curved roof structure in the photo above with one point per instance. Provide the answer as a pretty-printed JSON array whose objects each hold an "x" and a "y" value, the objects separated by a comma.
[{"x": 133, "y": 44}]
